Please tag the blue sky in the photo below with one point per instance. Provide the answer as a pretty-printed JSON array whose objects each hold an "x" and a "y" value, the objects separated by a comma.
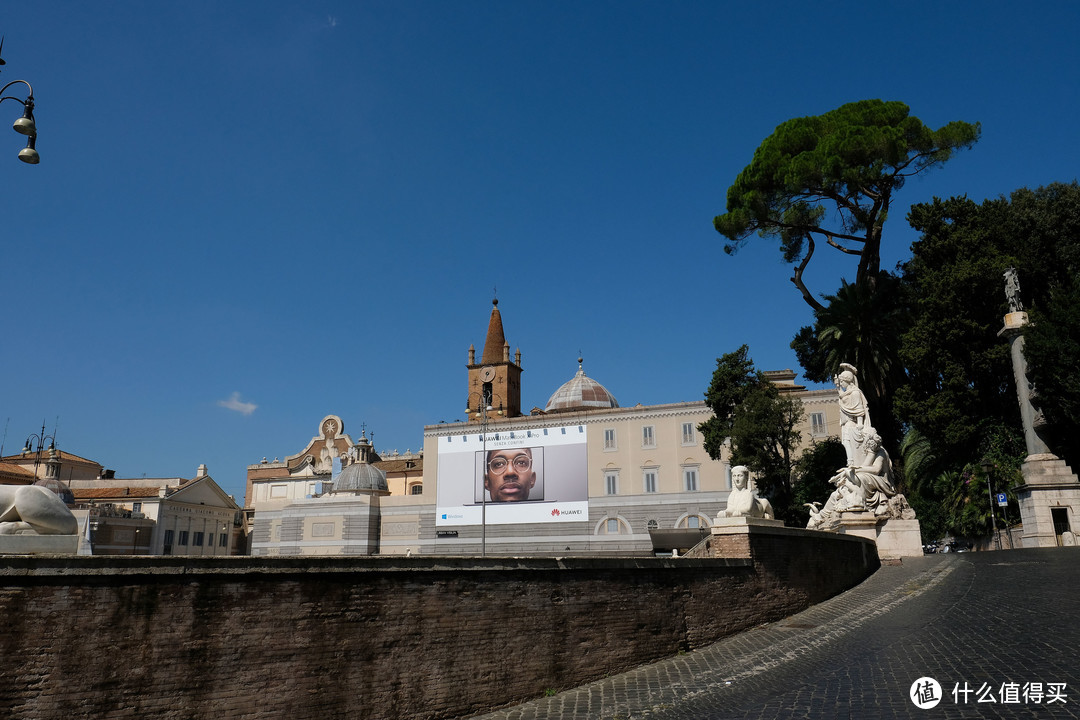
[{"x": 249, "y": 215}]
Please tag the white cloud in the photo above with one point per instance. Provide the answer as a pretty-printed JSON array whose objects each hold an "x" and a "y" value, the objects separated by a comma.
[
  {"x": 235, "y": 403},
  {"x": 331, "y": 21}
]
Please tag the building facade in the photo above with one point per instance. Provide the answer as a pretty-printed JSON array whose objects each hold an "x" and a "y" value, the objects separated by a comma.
[
  {"x": 157, "y": 516},
  {"x": 602, "y": 478}
]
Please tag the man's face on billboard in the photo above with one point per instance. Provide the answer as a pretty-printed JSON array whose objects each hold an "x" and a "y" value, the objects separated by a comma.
[{"x": 509, "y": 476}]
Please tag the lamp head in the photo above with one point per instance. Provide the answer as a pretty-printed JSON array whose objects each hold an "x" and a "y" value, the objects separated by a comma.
[
  {"x": 29, "y": 154},
  {"x": 25, "y": 125}
]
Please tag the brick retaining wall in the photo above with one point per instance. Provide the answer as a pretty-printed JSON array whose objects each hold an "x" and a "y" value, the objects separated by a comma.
[{"x": 324, "y": 638}]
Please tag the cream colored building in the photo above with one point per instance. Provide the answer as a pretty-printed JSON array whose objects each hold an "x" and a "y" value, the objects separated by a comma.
[
  {"x": 157, "y": 516},
  {"x": 606, "y": 476}
]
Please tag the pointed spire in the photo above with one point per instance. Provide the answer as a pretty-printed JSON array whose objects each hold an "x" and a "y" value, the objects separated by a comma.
[{"x": 493, "y": 344}]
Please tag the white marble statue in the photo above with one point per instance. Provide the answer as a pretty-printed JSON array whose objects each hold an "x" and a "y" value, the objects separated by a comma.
[
  {"x": 866, "y": 483},
  {"x": 854, "y": 412},
  {"x": 743, "y": 500},
  {"x": 34, "y": 510}
]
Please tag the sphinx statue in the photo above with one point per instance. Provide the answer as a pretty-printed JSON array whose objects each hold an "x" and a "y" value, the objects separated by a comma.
[{"x": 743, "y": 500}]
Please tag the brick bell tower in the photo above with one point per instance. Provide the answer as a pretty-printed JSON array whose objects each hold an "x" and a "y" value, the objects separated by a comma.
[{"x": 495, "y": 378}]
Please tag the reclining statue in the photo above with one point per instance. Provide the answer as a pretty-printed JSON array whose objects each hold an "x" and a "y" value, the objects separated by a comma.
[{"x": 34, "y": 510}]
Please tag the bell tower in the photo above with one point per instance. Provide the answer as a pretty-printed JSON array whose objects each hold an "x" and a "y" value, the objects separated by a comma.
[{"x": 496, "y": 379}]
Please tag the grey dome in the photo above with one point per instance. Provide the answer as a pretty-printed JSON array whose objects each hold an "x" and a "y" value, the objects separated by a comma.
[
  {"x": 61, "y": 490},
  {"x": 580, "y": 392},
  {"x": 360, "y": 477}
]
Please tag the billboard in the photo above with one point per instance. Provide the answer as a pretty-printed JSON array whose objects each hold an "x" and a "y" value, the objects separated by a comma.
[{"x": 510, "y": 477}]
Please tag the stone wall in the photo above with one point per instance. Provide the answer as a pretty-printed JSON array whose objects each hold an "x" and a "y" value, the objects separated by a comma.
[{"x": 116, "y": 637}]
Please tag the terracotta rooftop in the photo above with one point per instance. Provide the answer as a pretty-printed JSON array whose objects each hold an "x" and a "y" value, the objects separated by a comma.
[
  {"x": 12, "y": 474},
  {"x": 392, "y": 465},
  {"x": 114, "y": 492}
]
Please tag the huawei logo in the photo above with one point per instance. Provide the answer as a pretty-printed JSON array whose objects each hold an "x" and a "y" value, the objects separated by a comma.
[{"x": 555, "y": 512}]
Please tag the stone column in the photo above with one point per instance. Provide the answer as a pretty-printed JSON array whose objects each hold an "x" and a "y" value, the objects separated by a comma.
[
  {"x": 1014, "y": 331},
  {"x": 1049, "y": 484}
]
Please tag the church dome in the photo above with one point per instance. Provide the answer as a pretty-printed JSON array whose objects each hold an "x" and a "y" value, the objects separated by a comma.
[
  {"x": 579, "y": 393},
  {"x": 360, "y": 477},
  {"x": 61, "y": 490}
]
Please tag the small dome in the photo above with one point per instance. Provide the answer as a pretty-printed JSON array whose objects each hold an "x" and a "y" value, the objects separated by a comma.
[
  {"x": 362, "y": 477},
  {"x": 61, "y": 490},
  {"x": 580, "y": 392}
]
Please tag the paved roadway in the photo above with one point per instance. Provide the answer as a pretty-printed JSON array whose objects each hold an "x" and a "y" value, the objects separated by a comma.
[{"x": 999, "y": 622}]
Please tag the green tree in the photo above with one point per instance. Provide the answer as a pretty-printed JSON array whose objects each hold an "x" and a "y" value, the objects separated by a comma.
[
  {"x": 863, "y": 328},
  {"x": 919, "y": 469},
  {"x": 960, "y": 389},
  {"x": 1052, "y": 349},
  {"x": 832, "y": 177},
  {"x": 758, "y": 421},
  {"x": 958, "y": 370},
  {"x": 813, "y": 469}
]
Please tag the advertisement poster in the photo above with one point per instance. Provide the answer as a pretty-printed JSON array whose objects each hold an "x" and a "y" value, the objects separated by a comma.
[{"x": 523, "y": 476}]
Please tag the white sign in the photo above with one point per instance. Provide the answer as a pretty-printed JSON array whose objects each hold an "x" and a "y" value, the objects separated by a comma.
[{"x": 512, "y": 477}]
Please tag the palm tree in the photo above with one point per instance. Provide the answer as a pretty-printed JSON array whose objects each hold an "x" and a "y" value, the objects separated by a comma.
[{"x": 863, "y": 326}]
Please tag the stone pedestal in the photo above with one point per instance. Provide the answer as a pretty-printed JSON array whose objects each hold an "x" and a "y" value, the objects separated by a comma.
[
  {"x": 39, "y": 544},
  {"x": 1050, "y": 488},
  {"x": 895, "y": 538},
  {"x": 730, "y": 536}
]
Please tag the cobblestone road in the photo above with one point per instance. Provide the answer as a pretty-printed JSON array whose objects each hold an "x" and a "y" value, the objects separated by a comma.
[{"x": 994, "y": 623}]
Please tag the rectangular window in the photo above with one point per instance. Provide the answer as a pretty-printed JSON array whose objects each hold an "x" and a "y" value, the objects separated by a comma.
[
  {"x": 417, "y": 489},
  {"x": 609, "y": 439},
  {"x": 688, "y": 436},
  {"x": 223, "y": 541},
  {"x": 648, "y": 437},
  {"x": 168, "y": 537},
  {"x": 817, "y": 423},
  {"x": 690, "y": 479},
  {"x": 693, "y": 522},
  {"x": 182, "y": 540},
  {"x": 136, "y": 507},
  {"x": 197, "y": 539},
  {"x": 649, "y": 481},
  {"x": 613, "y": 526},
  {"x": 611, "y": 483}
]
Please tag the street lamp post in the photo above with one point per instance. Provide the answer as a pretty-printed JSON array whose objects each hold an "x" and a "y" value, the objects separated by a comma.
[
  {"x": 987, "y": 466},
  {"x": 483, "y": 408},
  {"x": 24, "y": 125},
  {"x": 40, "y": 438}
]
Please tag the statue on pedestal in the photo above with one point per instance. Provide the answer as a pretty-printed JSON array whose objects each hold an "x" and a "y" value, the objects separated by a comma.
[
  {"x": 865, "y": 484},
  {"x": 1012, "y": 291},
  {"x": 743, "y": 500}
]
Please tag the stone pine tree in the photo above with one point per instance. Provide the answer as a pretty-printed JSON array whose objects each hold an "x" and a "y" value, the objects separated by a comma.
[
  {"x": 831, "y": 178},
  {"x": 759, "y": 422}
]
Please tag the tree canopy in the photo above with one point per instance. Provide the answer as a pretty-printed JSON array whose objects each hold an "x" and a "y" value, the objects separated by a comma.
[
  {"x": 958, "y": 399},
  {"x": 960, "y": 378},
  {"x": 759, "y": 422},
  {"x": 832, "y": 177},
  {"x": 862, "y": 328}
]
